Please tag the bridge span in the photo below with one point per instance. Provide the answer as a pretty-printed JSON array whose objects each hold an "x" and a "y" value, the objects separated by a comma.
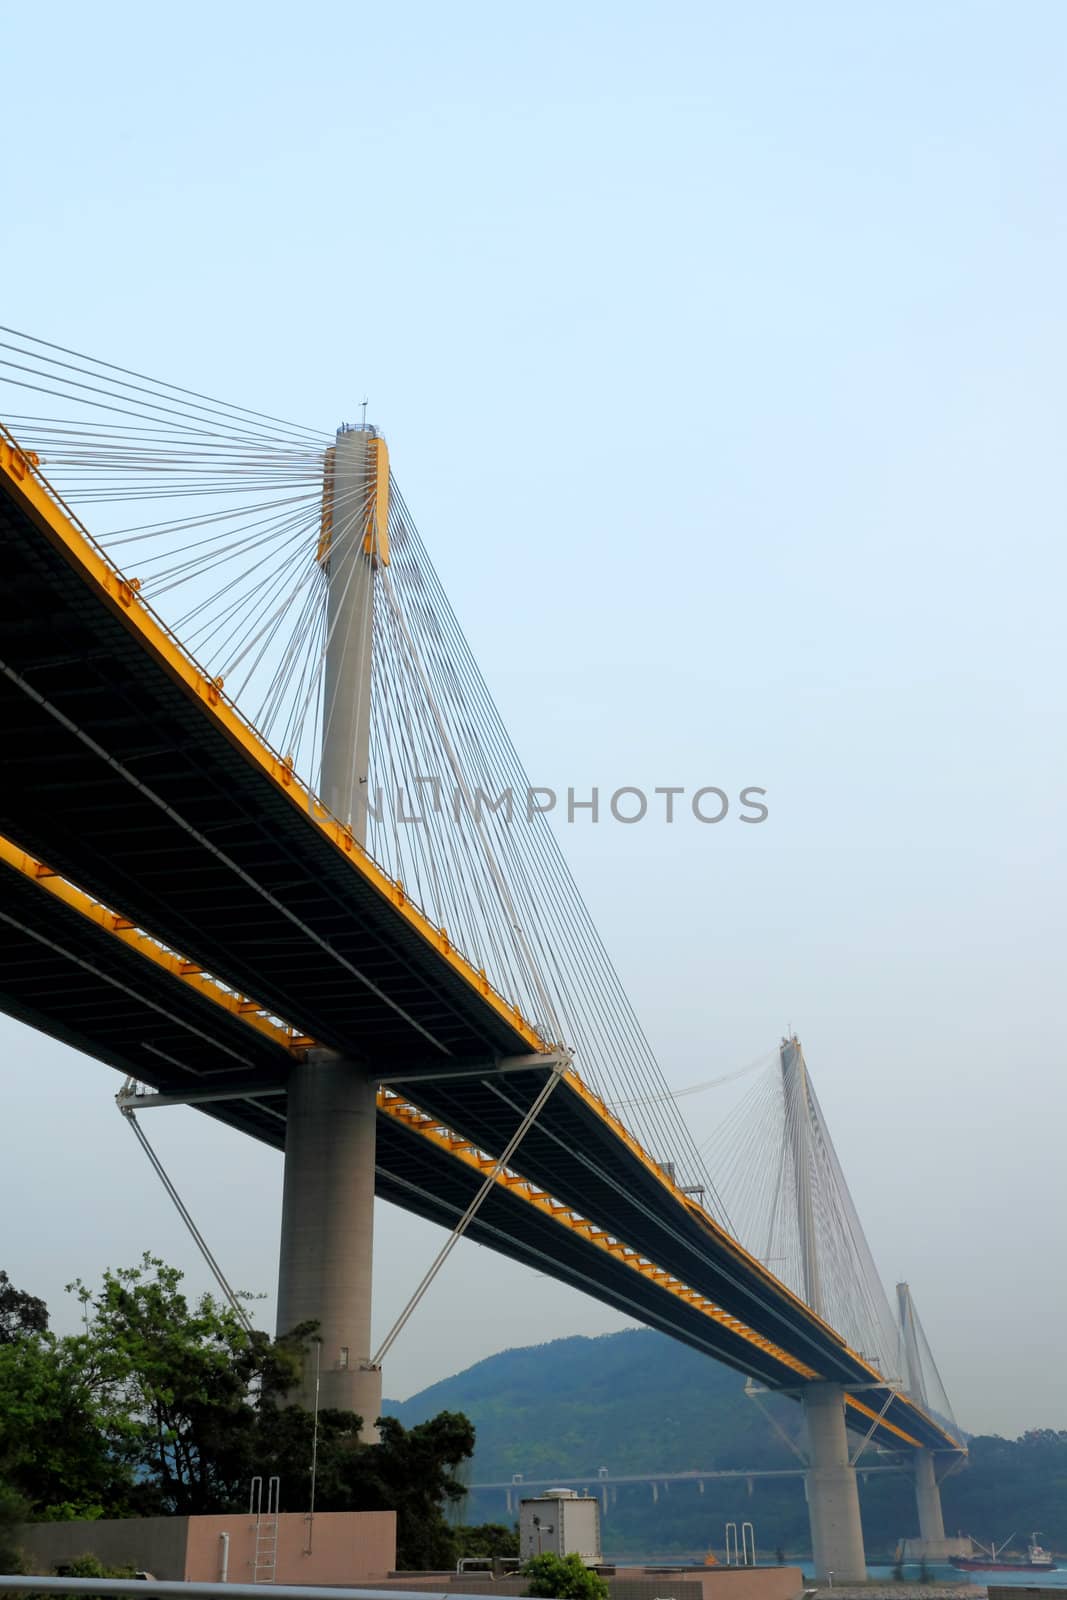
[
  {"x": 607, "y": 1484},
  {"x": 180, "y": 903}
]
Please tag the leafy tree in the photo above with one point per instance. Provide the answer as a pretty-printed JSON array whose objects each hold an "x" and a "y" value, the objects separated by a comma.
[
  {"x": 486, "y": 1539},
  {"x": 566, "y": 1577},
  {"x": 413, "y": 1471},
  {"x": 20, "y": 1313},
  {"x": 165, "y": 1405},
  {"x": 180, "y": 1388},
  {"x": 54, "y": 1451}
]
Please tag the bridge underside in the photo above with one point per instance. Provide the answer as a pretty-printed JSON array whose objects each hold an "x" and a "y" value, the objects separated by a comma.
[{"x": 122, "y": 779}]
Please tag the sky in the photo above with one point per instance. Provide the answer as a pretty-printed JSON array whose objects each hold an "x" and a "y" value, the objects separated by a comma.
[{"x": 721, "y": 353}]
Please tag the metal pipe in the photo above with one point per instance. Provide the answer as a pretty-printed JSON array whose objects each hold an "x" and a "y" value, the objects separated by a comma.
[{"x": 224, "y": 1558}]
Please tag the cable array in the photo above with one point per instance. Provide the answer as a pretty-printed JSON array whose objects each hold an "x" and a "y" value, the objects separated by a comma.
[
  {"x": 778, "y": 1173},
  {"x": 917, "y": 1362},
  {"x": 217, "y": 512}
]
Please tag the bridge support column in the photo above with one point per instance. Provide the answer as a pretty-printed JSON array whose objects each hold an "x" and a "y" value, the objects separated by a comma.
[
  {"x": 354, "y": 541},
  {"x": 830, "y": 1483},
  {"x": 328, "y": 1232},
  {"x": 328, "y": 1196},
  {"x": 928, "y": 1500}
]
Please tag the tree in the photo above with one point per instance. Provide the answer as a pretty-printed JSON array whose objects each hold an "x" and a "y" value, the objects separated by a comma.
[
  {"x": 165, "y": 1405},
  {"x": 565, "y": 1577},
  {"x": 20, "y": 1313},
  {"x": 180, "y": 1388},
  {"x": 486, "y": 1539},
  {"x": 54, "y": 1451},
  {"x": 413, "y": 1471}
]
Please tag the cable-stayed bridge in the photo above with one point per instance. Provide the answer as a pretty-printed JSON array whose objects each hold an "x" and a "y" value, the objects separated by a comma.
[{"x": 267, "y": 849}]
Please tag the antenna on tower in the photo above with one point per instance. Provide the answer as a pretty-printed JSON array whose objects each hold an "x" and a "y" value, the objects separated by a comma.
[{"x": 364, "y": 411}]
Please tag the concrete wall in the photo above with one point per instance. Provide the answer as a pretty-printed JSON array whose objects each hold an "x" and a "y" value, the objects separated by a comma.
[
  {"x": 347, "y": 1547},
  {"x": 710, "y": 1583},
  {"x": 633, "y": 1583},
  {"x": 148, "y": 1544}
]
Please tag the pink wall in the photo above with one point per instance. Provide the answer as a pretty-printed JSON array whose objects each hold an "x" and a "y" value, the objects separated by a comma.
[
  {"x": 347, "y": 1547},
  {"x": 752, "y": 1583}
]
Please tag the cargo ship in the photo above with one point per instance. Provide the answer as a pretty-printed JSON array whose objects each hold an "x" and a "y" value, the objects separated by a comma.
[{"x": 994, "y": 1560}]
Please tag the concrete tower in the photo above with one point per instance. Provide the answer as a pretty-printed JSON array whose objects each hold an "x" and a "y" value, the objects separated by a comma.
[
  {"x": 327, "y": 1238},
  {"x": 830, "y": 1483},
  {"x": 927, "y": 1489}
]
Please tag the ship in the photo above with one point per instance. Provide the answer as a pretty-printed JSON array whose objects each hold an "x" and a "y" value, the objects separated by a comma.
[{"x": 993, "y": 1560}]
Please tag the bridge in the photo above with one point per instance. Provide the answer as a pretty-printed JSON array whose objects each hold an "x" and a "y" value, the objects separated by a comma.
[
  {"x": 259, "y": 852},
  {"x": 607, "y": 1484}
]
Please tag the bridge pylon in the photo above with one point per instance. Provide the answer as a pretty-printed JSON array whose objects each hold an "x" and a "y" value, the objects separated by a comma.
[
  {"x": 928, "y": 1500},
  {"x": 831, "y": 1489},
  {"x": 327, "y": 1234},
  {"x": 932, "y": 1544},
  {"x": 830, "y": 1484}
]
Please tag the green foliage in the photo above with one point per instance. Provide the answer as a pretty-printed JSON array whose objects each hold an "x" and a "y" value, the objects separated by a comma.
[
  {"x": 179, "y": 1386},
  {"x": 566, "y": 1577},
  {"x": 486, "y": 1539},
  {"x": 638, "y": 1402},
  {"x": 162, "y": 1405},
  {"x": 20, "y": 1313},
  {"x": 414, "y": 1471},
  {"x": 633, "y": 1401},
  {"x": 54, "y": 1450},
  {"x": 90, "y": 1566},
  {"x": 87, "y": 1566}
]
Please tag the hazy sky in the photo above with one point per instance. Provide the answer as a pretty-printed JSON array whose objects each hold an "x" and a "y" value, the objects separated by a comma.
[{"x": 721, "y": 352}]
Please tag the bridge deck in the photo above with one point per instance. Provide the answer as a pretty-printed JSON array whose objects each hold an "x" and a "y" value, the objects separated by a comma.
[{"x": 131, "y": 776}]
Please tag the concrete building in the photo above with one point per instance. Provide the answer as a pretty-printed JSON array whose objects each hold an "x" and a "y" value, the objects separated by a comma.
[
  {"x": 560, "y": 1523},
  {"x": 633, "y": 1583},
  {"x": 338, "y": 1548}
]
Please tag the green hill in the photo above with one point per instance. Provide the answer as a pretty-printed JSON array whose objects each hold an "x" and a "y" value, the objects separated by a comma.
[
  {"x": 633, "y": 1402},
  {"x": 637, "y": 1402}
]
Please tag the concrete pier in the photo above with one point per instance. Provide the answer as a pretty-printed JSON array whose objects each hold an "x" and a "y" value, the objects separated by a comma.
[
  {"x": 327, "y": 1243},
  {"x": 830, "y": 1484},
  {"x": 928, "y": 1499},
  {"x": 327, "y": 1240}
]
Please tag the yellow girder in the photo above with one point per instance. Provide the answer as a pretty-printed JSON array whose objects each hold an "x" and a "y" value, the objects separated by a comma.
[
  {"x": 21, "y": 475},
  {"x": 428, "y": 1127},
  {"x": 20, "y": 471},
  {"x": 121, "y": 928}
]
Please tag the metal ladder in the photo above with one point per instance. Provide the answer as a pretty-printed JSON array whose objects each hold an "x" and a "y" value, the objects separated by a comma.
[{"x": 265, "y": 1558}]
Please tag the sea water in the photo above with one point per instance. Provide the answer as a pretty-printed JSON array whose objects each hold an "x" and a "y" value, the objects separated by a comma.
[{"x": 937, "y": 1572}]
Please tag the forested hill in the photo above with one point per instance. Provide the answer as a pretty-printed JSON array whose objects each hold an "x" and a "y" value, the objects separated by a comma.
[
  {"x": 637, "y": 1402},
  {"x": 633, "y": 1402}
]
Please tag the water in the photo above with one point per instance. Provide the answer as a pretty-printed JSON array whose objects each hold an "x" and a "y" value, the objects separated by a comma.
[
  {"x": 937, "y": 1572},
  {"x": 941, "y": 1572}
]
